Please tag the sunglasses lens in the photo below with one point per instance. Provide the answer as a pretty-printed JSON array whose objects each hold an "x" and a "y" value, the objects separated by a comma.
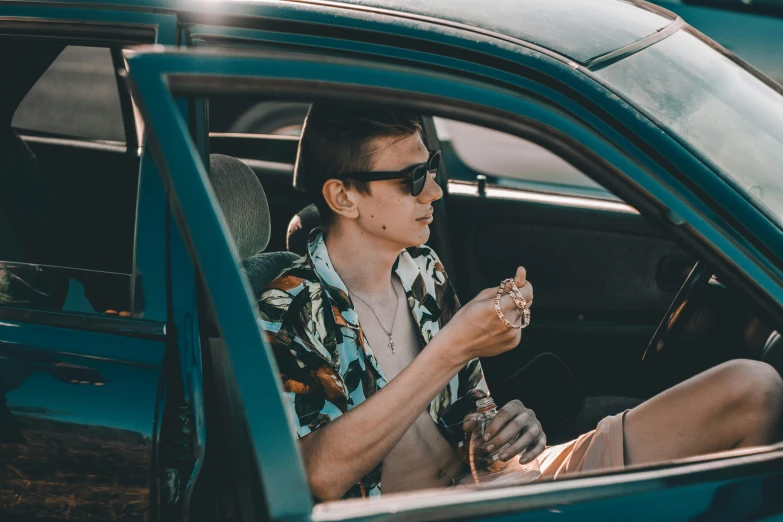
[
  {"x": 419, "y": 179},
  {"x": 434, "y": 163}
]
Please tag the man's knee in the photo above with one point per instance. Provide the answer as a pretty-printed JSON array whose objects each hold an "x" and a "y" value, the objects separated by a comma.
[{"x": 754, "y": 387}]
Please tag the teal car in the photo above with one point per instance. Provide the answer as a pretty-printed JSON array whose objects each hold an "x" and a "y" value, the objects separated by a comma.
[{"x": 625, "y": 159}]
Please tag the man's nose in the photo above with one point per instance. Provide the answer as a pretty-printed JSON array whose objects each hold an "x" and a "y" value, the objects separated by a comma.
[{"x": 431, "y": 191}]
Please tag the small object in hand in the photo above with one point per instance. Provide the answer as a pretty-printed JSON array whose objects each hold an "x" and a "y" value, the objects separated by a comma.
[
  {"x": 519, "y": 301},
  {"x": 485, "y": 466}
]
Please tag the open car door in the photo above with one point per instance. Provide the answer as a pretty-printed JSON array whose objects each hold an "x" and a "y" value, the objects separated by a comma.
[{"x": 737, "y": 487}]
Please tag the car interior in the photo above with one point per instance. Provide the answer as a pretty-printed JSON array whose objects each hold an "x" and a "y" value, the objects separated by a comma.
[
  {"x": 604, "y": 276},
  {"x": 611, "y": 289}
]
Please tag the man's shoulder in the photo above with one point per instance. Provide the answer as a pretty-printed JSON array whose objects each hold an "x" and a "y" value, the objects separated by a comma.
[{"x": 292, "y": 288}]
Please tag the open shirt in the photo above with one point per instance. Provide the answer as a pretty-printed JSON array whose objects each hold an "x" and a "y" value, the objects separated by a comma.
[{"x": 326, "y": 364}]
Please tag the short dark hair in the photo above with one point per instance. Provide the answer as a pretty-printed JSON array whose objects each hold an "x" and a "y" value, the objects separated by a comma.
[{"x": 336, "y": 140}]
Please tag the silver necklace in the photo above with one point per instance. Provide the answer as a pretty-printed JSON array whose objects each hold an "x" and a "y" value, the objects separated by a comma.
[{"x": 387, "y": 332}]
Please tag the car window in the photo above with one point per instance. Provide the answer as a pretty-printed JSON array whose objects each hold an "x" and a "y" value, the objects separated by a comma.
[
  {"x": 77, "y": 97},
  {"x": 252, "y": 116},
  {"x": 67, "y": 210},
  {"x": 730, "y": 117},
  {"x": 510, "y": 160}
]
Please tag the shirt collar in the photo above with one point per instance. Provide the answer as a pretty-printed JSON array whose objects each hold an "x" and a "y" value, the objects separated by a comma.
[{"x": 342, "y": 305}]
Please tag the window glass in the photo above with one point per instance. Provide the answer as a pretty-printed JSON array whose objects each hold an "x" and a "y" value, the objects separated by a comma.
[
  {"x": 244, "y": 115},
  {"x": 510, "y": 160},
  {"x": 67, "y": 212},
  {"x": 77, "y": 97},
  {"x": 724, "y": 112}
]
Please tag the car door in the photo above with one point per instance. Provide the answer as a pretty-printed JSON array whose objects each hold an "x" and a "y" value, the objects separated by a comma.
[
  {"x": 97, "y": 420},
  {"x": 158, "y": 79}
]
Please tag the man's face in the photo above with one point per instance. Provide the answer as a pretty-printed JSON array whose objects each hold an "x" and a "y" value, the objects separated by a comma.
[{"x": 390, "y": 211}]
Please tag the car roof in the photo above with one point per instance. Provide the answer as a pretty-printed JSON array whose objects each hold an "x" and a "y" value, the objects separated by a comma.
[{"x": 580, "y": 30}]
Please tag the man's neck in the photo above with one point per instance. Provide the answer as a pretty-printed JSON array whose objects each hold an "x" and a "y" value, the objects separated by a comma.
[{"x": 363, "y": 262}]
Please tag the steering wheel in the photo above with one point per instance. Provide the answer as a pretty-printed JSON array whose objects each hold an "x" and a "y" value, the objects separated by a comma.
[{"x": 678, "y": 316}]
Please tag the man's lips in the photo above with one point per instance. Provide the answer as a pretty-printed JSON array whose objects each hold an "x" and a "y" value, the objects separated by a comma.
[{"x": 428, "y": 215}]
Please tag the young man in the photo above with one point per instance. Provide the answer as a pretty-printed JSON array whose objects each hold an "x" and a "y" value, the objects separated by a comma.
[{"x": 371, "y": 417}]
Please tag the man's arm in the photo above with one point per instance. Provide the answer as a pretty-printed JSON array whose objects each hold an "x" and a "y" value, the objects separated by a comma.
[
  {"x": 343, "y": 451},
  {"x": 343, "y": 448}
]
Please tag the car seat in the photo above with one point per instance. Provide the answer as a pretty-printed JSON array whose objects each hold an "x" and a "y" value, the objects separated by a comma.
[{"x": 246, "y": 211}]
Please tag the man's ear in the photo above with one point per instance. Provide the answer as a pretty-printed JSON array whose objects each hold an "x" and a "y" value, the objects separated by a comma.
[{"x": 339, "y": 199}]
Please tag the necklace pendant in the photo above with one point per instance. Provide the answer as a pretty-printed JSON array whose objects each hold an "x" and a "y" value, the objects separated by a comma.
[{"x": 391, "y": 344}]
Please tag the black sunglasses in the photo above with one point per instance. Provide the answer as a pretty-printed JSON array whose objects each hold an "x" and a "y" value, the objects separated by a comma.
[{"x": 416, "y": 173}]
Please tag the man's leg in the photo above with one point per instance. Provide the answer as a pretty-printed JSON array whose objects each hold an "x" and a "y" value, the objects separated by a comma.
[{"x": 737, "y": 404}]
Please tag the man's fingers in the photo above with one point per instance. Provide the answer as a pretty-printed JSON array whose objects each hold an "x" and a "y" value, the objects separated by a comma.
[
  {"x": 534, "y": 452},
  {"x": 469, "y": 423},
  {"x": 525, "y": 442},
  {"x": 509, "y": 307},
  {"x": 498, "y": 423},
  {"x": 527, "y": 292},
  {"x": 525, "y": 423},
  {"x": 520, "y": 277}
]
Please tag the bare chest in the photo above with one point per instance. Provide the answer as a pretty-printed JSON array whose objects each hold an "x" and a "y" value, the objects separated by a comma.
[
  {"x": 405, "y": 335},
  {"x": 423, "y": 457}
]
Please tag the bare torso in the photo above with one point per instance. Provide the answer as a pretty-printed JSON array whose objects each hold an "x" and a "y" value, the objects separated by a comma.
[{"x": 423, "y": 458}]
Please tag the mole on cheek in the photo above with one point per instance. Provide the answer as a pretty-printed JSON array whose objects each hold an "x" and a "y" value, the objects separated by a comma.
[
  {"x": 384, "y": 227},
  {"x": 372, "y": 216}
]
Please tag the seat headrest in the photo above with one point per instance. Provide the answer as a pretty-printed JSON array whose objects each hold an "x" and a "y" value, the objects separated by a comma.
[{"x": 243, "y": 201}]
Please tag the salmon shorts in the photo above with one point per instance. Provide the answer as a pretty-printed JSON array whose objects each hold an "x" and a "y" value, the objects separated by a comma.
[{"x": 601, "y": 449}]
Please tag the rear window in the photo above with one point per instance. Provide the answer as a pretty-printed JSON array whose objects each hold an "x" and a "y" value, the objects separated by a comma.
[
  {"x": 76, "y": 97},
  {"x": 67, "y": 211}
]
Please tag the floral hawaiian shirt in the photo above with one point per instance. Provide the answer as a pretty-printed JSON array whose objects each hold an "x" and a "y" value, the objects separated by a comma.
[{"x": 326, "y": 364}]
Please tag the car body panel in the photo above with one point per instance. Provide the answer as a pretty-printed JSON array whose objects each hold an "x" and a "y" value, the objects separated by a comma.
[
  {"x": 78, "y": 404},
  {"x": 581, "y": 30}
]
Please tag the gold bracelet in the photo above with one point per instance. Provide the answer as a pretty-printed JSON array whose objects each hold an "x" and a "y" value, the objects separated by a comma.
[{"x": 519, "y": 301}]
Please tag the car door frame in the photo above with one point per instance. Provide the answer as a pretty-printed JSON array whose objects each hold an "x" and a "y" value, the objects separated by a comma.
[{"x": 281, "y": 473}]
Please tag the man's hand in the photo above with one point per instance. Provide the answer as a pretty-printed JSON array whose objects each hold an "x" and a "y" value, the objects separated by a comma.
[
  {"x": 477, "y": 331},
  {"x": 512, "y": 419}
]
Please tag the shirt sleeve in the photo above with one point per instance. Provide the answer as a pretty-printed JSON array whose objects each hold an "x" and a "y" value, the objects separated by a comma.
[{"x": 312, "y": 386}]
